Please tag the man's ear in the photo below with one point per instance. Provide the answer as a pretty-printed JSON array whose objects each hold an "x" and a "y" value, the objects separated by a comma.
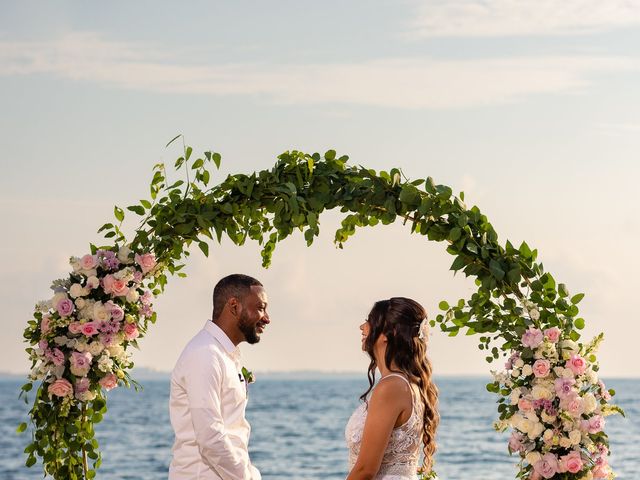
[{"x": 234, "y": 306}]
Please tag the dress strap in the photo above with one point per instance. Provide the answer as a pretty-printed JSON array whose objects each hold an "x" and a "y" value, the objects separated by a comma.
[{"x": 399, "y": 376}]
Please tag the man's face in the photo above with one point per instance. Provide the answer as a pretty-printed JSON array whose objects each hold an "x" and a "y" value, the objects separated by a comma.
[{"x": 254, "y": 317}]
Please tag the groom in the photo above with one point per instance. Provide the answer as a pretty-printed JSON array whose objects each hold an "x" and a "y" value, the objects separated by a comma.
[{"x": 209, "y": 392}]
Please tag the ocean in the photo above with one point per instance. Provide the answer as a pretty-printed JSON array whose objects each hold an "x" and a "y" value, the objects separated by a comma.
[{"x": 298, "y": 430}]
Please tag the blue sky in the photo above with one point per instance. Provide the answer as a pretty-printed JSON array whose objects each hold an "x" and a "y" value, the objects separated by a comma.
[{"x": 531, "y": 108}]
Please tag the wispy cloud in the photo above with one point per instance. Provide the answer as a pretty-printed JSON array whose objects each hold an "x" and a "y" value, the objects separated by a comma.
[
  {"x": 491, "y": 18},
  {"x": 410, "y": 83}
]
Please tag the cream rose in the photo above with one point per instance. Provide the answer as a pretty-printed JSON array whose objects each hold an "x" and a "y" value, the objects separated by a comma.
[
  {"x": 527, "y": 370},
  {"x": 575, "y": 436},
  {"x": 541, "y": 392},
  {"x": 124, "y": 255},
  {"x": 100, "y": 312},
  {"x": 533, "y": 457},
  {"x": 133, "y": 295}
]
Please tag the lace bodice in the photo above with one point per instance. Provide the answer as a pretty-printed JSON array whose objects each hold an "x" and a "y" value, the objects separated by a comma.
[{"x": 400, "y": 459}]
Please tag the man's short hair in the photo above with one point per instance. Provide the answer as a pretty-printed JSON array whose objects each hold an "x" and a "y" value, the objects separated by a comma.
[{"x": 236, "y": 285}]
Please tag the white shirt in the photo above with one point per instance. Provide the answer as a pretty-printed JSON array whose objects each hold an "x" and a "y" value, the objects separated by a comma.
[{"x": 207, "y": 409}]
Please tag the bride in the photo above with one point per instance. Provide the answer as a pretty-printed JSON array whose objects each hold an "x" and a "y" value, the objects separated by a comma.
[{"x": 399, "y": 418}]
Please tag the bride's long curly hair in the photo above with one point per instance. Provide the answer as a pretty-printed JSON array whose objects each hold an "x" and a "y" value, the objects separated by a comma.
[{"x": 399, "y": 320}]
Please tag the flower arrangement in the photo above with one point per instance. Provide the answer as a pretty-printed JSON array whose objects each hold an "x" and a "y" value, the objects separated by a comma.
[
  {"x": 556, "y": 405},
  {"x": 79, "y": 349}
]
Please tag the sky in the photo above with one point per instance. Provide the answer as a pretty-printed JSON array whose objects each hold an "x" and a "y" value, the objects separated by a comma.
[{"x": 532, "y": 108}]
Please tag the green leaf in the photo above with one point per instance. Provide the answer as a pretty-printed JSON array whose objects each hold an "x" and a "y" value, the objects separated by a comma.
[
  {"x": 197, "y": 164},
  {"x": 496, "y": 269},
  {"x": 21, "y": 428},
  {"x": 204, "y": 246},
  {"x": 579, "y": 323},
  {"x": 562, "y": 290},
  {"x": 216, "y": 159},
  {"x": 173, "y": 140},
  {"x": 455, "y": 234},
  {"x": 137, "y": 209},
  {"x": 119, "y": 213},
  {"x": 576, "y": 298},
  {"x": 443, "y": 305},
  {"x": 146, "y": 203},
  {"x": 188, "y": 153},
  {"x": 330, "y": 155}
]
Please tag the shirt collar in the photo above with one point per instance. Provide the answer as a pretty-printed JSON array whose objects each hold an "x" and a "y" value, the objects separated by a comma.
[{"x": 217, "y": 333}]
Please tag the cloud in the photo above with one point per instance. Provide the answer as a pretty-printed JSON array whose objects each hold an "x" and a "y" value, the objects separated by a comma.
[
  {"x": 409, "y": 83},
  {"x": 497, "y": 18},
  {"x": 620, "y": 129}
]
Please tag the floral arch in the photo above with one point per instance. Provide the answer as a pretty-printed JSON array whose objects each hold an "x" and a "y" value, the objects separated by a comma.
[{"x": 549, "y": 394}]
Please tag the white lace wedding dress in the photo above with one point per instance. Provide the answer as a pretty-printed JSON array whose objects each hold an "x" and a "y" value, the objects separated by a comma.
[{"x": 400, "y": 460}]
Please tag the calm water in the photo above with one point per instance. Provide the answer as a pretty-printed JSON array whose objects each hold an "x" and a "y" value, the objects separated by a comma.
[{"x": 298, "y": 431}]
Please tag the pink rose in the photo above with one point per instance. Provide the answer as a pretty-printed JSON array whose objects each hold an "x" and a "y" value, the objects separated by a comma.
[
  {"x": 532, "y": 338},
  {"x": 45, "y": 324},
  {"x": 553, "y": 334},
  {"x": 89, "y": 329},
  {"x": 80, "y": 363},
  {"x": 137, "y": 276},
  {"x": 131, "y": 331},
  {"x": 147, "y": 261},
  {"x": 61, "y": 388},
  {"x": 117, "y": 313},
  {"x": 547, "y": 467},
  {"x": 515, "y": 442},
  {"x": 65, "y": 307},
  {"x": 107, "y": 339},
  {"x": 601, "y": 471},
  {"x": 525, "y": 405},
  {"x": 119, "y": 287},
  {"x": 82, "y": 385},
  {"x": 43, "y": 345},
  {"x": 594, "y": 425},
  {"x": 109, "y": 381},
  {"x": 604, "y": 393},
  {"x": 75, "y": 327},
  {"x": 564, "y": 386},
  {"x": 89, "y": 262},
  {"x": 572, "y": 404},
  {"x": 572, "y": 462},
  {"x": 541, "y": 368},
  {"x": 576, "y": 364},
  {"x": 146, "y": 298},
  {"x": 55, "y": 356},
  {"x": 107, "y": 283}
]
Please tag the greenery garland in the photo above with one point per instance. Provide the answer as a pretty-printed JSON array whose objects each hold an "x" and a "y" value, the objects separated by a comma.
[{"x": 515, "y": 297}]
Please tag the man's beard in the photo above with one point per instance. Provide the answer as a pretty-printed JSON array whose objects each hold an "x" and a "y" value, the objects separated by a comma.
[{"x": 249, "y": 331}]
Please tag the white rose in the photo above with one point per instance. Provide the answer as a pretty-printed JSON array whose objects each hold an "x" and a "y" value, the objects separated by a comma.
[
  {"x": 536, "y": 430},
  {"x": 133, "y": 295},
  {"x": 541, "y": 392},
  {"x": 124, "y": 255},
  {"x": 81, "y": 346},
  {"x": 534, "y": 313},
  {"x": 533, "y": 458},
  {"x": 547, "y": 418},
  {"x": 95, "y": 348},
  {"x": 568, "y": 347},
  {"x": 527, "y": 370},
  {"x": 105, "y": 364},
  {"x": 89, "y": 273},
  {"x": 589, "y": 403},
  {"x": 515, "y": 373},
  {"x": 591, "y": 376},
  {"x": 548, "y": 435},
  {"x": 515, "y": 396},
  {"x": 60, "y": 340},
  {"x": 80, "y": 303},
  {"x": 575, "y": 436},
  {"x": 115, "y": 350},
  {"x": 77, "y": 290},
  {"x": 75, "y": 264},
  {"x": 100, "y": 313},
  {"x": 93, "y": 282},
  {"x": 519, "y": 363},
  {"x": 565, "y": 442}
]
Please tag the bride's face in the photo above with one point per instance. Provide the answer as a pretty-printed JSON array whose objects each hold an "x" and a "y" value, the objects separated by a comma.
[{"x": 364, "y": 330}]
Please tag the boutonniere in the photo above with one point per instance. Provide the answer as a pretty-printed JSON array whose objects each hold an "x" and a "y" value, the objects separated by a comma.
[{"x": 248, "y": 376}]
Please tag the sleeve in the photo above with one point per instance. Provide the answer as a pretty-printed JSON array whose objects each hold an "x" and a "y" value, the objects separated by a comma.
[{"x": 203, "y": 381}]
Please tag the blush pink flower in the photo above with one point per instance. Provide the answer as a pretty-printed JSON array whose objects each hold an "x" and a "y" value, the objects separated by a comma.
[
  {"x": 515, "y": 442},
  {"x": 541, "y": 368},
  {"x": 89, "y": 329},
  {"x": 65, "y": 307},
  {"x": 109, "y": 381},
  {"x": 61, "y": 388},
  {"x": 75, "y": 327},
  {"x": 55, "y": 356},
  {"x": 525, "y": 405},
  {"x": 553, "y": 334},
  {"x": 89, "y": 262},
  {"x": 576, "y": 364},
  {"x": 80, "y": 363},
  {"x": 573, "y": 404},
  {"x": 604, "y": 393},
  {"x": 107, "y": 283},
  {"x": 131, "y": 331},
  {"x": 594, "y": 425},
  {"x": 119, "y": 287},
  {"x": 147, "y": 297},
  {"x": 572, "y": 462},
  {"x": 564, "y": 386},
  {"x": 117, "y": 313},
  {"x": 532, "y": 338},
  {"x": 147, "y": 262},
  {"x": 547, "y": 467},
  {"x": 45, "y": 326},
  {"x": 601, "y": 471}
]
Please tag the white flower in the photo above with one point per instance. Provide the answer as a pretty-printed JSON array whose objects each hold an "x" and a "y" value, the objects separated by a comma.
[
  {"x": 547, "y": 418},
  {"x": 115, "y": 350},
  {"x": 80, "y": 303},
  {"x": 77, "y": 290},
  {"x": 133, "y": 295},
  {"x": 527, "y": 370},
  {"x": 519, "y": 363},
  {"x": 534, "y": 313},
  {"x": 589, "y": 403},
  {"x": 95, "y": 348},
  {"x": 75, "y": 264},
  {"x": 60, "y": 340},
  {"x": 93, "y": 282},
  {"x": 575, "y": 436},
  {"x": 533, "y": 458},
  {"x": 591, "y": 376},
  {"x": 124, "y": 255},
  {"x": 515, "y": 373},
  {"x": 536, "y": 430},
  {"x": 82, "y": 346},
  {"x": 565, "y": 442},
  {"x": 105, "y": 364},
  {"x": 548, "y": 435},
  {"x": 542, "y": 392},
  {"x": 100, "y": 312},
  {"x": 568, "y": 347},
  {"x": 515, "y": 396},
  {"x": 43, "y": 306}
]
